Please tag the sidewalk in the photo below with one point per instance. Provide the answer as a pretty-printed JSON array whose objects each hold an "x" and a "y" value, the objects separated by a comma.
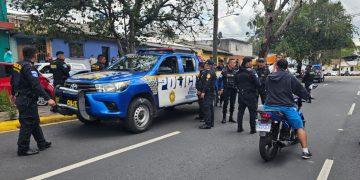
[
  {"x": 44, "y": 111},
  {"x": 46, "y": 116}
]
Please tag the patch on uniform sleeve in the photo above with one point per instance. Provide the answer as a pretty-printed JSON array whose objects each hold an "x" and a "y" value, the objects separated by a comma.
[
  {"x": 208, "y": 76},
  {"x": 17, "y": 67},
  {"x": 65, "y": 66},
  {"x": 34, "y": 74}
]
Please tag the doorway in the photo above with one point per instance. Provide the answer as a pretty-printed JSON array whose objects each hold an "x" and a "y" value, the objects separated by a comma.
[{"x": 105, "y": 52}]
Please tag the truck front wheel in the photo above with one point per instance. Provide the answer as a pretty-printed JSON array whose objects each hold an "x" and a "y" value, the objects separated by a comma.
[
  {"x": 88, "y": 122},
  {"x": 140, "y": 115}
]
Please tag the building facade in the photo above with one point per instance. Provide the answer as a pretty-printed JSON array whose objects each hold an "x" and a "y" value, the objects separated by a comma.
[{"x": 234, "y": 46}]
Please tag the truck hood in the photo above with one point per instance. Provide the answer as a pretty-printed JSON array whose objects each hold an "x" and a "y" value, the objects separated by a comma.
[{"x": 106, "y": 76}]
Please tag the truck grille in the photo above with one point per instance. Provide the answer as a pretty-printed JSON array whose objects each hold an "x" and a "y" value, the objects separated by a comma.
[{"x": 79, "y": 86}]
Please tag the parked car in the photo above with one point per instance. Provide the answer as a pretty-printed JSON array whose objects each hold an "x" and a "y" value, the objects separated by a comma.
[
  {"x": 132, "y": 89},
  {"x": 355, "y": 73},
  {"x": 5, "y": 76},
  {"x": 45, "y": 70}
]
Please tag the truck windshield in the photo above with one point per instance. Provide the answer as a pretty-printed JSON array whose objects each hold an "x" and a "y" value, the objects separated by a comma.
[{"x": 139, "y": 63}]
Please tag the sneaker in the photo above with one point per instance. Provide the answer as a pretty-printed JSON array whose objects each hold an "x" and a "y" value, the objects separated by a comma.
[{"x": 306, "y": 155}]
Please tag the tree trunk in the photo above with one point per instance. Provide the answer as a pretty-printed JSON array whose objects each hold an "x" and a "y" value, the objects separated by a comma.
[
  {"x": 120, "y": 47},
  {"x": 131, "y": 35}
]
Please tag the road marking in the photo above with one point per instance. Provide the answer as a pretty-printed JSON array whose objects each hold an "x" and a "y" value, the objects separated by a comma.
[
  {"x": 325, "y": 171},
  {"x": 326, "y": 84},
  {"x": 101, "y": 157},
  {"x": 62, "y": 122},
  {"x": 352, "y": 108},
  {"x": 340, "y": 129}
]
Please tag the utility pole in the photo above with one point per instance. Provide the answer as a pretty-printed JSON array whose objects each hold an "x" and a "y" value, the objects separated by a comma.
[{"x": 215, "y": 33}]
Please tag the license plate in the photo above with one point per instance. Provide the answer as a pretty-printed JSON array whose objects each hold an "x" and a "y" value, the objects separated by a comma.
[
  {"x": 72, "y": 103},
  {"x": 263, "y": 127}
]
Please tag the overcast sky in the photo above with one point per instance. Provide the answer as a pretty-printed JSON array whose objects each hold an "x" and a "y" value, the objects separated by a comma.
[{"x": 236, "y": 26}]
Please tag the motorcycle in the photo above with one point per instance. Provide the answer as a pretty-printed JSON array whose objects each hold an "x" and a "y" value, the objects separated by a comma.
[{"x": 275, "y": 131}]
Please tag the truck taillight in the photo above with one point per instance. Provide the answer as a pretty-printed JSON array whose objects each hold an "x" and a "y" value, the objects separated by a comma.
[{"x": 265, "y": 116}]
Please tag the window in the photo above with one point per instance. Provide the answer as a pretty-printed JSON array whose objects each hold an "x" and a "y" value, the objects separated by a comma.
[
  {"x": 237, "y": 48},
  {"x": 169, "y": 66},
  {"x": 139, "y": 63},
  {"x": 188, "y": 64},
  {"x": 76, "y": 50}
]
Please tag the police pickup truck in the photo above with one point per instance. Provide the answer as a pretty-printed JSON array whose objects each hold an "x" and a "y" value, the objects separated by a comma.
[{"x": 133, "y": 89}]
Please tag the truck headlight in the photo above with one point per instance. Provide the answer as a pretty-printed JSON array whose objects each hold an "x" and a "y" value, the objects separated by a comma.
[{"x": 112, "y": 87}]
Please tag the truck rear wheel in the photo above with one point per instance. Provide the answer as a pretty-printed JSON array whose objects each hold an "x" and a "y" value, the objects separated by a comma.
[
  {"x": 88, "y": 122},
  {"x": 140, "y": 115}
]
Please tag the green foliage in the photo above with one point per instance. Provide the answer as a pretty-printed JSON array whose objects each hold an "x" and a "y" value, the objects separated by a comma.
[
  {"x": 6, "y": 105},
  {"x": 127, "y": 21},
  {"x": 318, "y": 32}
]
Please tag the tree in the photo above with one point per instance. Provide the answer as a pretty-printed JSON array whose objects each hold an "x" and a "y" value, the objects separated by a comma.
[
  {"x": 271, "y": 25},
  {"x": 126, "y": 20},
  {"x": 318, "y": 33}
]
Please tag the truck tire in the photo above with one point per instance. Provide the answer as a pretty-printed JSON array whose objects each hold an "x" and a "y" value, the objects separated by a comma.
[
  {"x": 88, "y": 122},
  {"x": 140, "y": 115}
]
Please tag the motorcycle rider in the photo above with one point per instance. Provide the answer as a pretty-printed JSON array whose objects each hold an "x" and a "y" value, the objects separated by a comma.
[
  {"x": 228, "y": 89},
  {"x": 281, "y": 86}
]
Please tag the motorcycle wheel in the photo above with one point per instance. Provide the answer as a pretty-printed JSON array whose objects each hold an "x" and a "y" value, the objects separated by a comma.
[{"x": 268, "y": 149}]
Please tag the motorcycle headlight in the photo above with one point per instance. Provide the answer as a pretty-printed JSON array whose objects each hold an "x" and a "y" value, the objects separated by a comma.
[{"x": 112, "y": 87}]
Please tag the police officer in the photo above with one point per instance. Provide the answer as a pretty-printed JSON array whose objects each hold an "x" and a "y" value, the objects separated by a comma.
[
  {"x": 198, "y": 88},
  {"x": 60, "y": 69},
  {"x": 262, "y": 72},
  {"x": 308, "y": 79},
  {"x": 248, "y": 83},
  {"x": 100, "y": 64},
  {"x": 27, "y": 90},
  {"x": 207, "y": 90},
  {"x": 228, "y": 89}
]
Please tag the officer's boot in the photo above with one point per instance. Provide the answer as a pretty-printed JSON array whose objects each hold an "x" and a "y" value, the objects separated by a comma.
[
  {"x": 224, "y": 118},
  {"x": 231, "y": 119}
]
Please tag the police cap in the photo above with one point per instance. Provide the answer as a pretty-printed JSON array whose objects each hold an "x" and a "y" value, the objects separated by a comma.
[
  {"x": 210, "y": 62},
  {"x": 59, "y": 52},
  {"x": 260, "y": 60}
]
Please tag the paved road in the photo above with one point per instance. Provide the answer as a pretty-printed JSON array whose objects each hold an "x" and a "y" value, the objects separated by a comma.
[{"x": 190, "y": 153}]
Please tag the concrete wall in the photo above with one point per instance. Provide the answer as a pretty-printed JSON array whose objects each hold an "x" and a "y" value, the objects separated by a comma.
[{"x": 91, "y": 47}]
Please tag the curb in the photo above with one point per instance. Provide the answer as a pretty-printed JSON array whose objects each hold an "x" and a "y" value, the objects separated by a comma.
[{"x": 14, "y": 124}]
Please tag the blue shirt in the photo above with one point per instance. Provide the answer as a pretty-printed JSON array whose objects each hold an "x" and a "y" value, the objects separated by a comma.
[{"x": 8, "y": 57}]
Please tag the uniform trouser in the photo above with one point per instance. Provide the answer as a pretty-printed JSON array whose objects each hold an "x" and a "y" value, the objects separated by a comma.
[
  {"x": 201, "y": 102},
  {"x": 262, "y": 94},
  {"x": 247, "y": 100},
  {"x": 208, "y": 109},
  {"x": 229, "y": 96},
  {"x": 29, "y": 123}
]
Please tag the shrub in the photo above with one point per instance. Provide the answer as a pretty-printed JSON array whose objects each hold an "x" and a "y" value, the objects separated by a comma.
[{"x": 6, "y": 105}]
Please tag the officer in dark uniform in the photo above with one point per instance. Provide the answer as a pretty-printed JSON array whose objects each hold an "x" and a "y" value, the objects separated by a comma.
[
  {"x": 207, "y": 89},
  {"x": 308, "y": 79},
  {"x": 198, "y": 88},
  {"x": 262, "y": 72},
  {"x": 248, "y": 83},
  {"x": 228, "y": 89},
  {"x": 60, "y": 69},
  {"x": 100, "y": 64},
  {"x": 27, "y": 89}
]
